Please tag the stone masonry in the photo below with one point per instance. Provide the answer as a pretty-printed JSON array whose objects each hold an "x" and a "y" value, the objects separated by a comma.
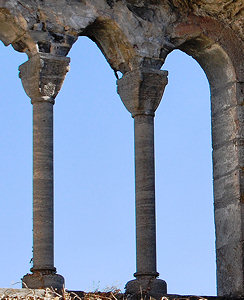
[{"x": 135, "y": 37}]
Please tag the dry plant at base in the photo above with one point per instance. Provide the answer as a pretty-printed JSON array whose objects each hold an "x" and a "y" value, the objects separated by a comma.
[{"x": 49, "y": 293}]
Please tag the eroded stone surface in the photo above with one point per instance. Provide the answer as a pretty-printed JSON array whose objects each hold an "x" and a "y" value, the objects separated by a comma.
[{"x": 137, "y": 28}]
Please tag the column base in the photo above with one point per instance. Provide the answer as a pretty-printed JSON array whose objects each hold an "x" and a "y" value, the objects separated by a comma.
[
  {"x": 146, "y": 287},
  {"x": 38, "y": 280}
]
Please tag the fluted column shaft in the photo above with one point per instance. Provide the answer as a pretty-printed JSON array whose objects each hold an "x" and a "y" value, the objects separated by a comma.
[{"x": 42, "y": 77}]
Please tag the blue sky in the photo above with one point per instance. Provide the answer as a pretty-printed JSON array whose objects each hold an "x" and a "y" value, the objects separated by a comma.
[{"x": 94, "y": 177}]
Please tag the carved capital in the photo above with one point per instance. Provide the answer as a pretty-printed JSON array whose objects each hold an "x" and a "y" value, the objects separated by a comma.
[
  {"x": 43, "y": 75},
  {"x": 141, "y": 90}
]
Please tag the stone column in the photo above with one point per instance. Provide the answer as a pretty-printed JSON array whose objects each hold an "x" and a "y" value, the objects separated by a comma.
[
  {"x": 42, "y": 77},
  {"x": 141, "y": 91}
]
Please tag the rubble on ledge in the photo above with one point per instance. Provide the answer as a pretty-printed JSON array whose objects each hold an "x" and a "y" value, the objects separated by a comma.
[{"x": 48, "y": 294}]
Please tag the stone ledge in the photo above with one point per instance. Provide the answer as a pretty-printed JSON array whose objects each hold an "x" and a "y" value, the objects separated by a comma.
[
  {"x": 48, "y": 294},
  {"x": 180, "y": 297},
  {"x": 190, "y": 297},
  {"x": 26, "y": 294}
]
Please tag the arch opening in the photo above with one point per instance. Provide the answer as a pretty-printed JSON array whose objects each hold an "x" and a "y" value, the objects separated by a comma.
[
  {"x": 220, "y": 65},
  {"x": 185, "y": 221},
  {"x": 94, "y": 175},
  {"x": 16, "y": 171}
]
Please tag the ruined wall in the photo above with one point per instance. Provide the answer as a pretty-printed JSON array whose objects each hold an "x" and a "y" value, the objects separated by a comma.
[
  {"x": 122, "y": 29},
  {"x": 136, "y": 34}
]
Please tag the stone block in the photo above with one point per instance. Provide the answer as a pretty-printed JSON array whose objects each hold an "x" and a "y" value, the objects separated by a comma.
[
  {"x": 146, "y": 286},
  {"x": 223, "y": 98},
  {"x": 42, "y": 281},
  {"x": 230, "y": 269},
  {"x": 228, "y": 225},
  {"x": 225, "y": 126},
  {"x": 227, "y": 189},
  {"x": 240, "y": 92},
  {"x": 225, "y": 159},
  {"x": 240, "y": 121},
  {"x": 228, "y": 125},
  {"x": 242, "y": 184}
]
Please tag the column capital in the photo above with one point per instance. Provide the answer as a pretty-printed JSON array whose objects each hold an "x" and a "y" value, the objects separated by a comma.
[
  {"x": 141, "y": 90},
  {"x": 43, "y": 75}
]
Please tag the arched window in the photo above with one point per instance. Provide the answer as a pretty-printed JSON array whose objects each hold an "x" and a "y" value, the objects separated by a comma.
[{"x": 184, "y": 193}]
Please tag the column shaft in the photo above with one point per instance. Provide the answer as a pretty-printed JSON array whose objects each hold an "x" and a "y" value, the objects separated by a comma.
[
  {"x": 43, "y": 237},
  {"x": 145, "y": 195}
]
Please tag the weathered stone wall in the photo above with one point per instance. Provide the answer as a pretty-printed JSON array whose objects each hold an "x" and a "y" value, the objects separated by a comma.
[{"x": 122, "y": 29}]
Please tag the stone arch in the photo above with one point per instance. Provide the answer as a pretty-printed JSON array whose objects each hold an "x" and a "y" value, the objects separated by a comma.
[
  {"x": 219, "y": 52},
  {"x": 113, "y": 43}
]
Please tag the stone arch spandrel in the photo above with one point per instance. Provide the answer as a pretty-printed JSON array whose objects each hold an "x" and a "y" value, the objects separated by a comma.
[
  {"x": 123, "y": 30},
  {"x": 53, "y": 28},
  {"x": 9, "y": 31},
  {"x": 34, "y": 27},
  {"x": 16, "y": 21},
  {"x": 220, "y": 53},
  {"x": 13, "y": 30}
]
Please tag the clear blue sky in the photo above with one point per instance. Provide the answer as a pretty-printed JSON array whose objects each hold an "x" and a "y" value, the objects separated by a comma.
[{"x": 94, "y": 177}]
